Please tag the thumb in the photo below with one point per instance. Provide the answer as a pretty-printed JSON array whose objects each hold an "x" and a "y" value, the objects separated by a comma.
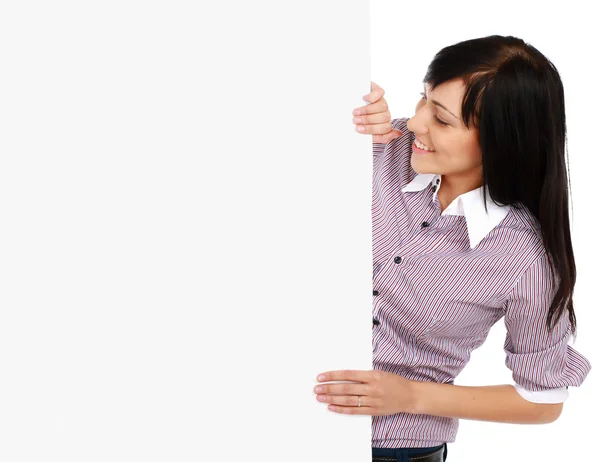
[{"x": 389, "y": 136}]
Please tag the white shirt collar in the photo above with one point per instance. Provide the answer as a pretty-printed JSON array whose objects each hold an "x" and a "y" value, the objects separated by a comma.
[{"x": 470, "y": 205}]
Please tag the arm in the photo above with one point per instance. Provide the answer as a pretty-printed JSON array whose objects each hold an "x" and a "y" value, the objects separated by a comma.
[
  {"x": 538, "y": 360},
  {"x": 494, "y": 403}
]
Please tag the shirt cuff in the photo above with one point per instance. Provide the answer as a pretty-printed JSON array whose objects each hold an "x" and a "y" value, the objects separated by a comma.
[{"x": 553, "y": 396}]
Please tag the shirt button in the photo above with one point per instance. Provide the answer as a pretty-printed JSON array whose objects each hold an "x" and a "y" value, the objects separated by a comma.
[
  {"x": 397, "y": 260},
  {"x": 434, "y": 187},
  {"x": 437, "y": 181},
  {"x": 375, "y": 322},
  {"x": 376, "y": 292},
  {"x": 424, "y": 224}
]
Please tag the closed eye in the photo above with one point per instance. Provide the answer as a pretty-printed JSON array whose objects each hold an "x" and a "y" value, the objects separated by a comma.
[
  {"x": 435, "y": 117},
  {"x": 439, "y": 121}
]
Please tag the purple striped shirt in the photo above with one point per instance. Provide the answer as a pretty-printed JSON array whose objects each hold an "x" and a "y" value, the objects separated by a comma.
[{"x": 441, "y": 280}]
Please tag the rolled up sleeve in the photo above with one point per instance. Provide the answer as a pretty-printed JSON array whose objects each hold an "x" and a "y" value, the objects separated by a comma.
[{"x": 539, "y": 360}]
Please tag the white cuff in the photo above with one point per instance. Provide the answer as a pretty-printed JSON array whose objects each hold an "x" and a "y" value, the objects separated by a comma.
[{"x": 553, "y": 396}]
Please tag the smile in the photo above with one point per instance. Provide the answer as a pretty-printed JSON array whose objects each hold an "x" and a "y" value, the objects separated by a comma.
[{"x": 423, "y": 146}]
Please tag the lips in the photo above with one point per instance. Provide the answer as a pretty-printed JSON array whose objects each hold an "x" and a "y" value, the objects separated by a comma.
[{"x": 425, "y": 144}]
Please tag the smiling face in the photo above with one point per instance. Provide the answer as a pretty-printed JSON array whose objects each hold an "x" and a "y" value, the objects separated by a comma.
[{"x": 438, "y": 125}]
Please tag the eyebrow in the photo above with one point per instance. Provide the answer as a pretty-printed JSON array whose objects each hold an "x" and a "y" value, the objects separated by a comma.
[{"x": 437, "y": 103}]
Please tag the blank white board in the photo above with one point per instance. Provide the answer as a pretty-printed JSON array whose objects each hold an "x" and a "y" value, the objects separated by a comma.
[{"x": 185, "y": 237}]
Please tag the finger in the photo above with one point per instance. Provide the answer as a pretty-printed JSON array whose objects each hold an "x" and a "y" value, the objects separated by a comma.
[
  {"x": 378, "y": 106},
  {"x": 360, "y": 389},
  {"x": 374, "y": 95},
  {"x": 375, "y": 129},
  {"x": 362, "y": 410},
  {"x": 387, "y": 137},
  {"x": 347, "y": 400},
  {"x": 374, "y": 87},
  {"x": 377, "y": 118},
  {"x": 346, "y": 374}
]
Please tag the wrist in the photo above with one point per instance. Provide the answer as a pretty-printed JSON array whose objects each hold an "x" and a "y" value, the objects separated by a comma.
[{"x": 416, "y": 391}]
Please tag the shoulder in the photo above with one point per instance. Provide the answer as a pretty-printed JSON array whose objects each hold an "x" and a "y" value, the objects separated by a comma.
[
  {"x": 524, "y": 250},
  {"x": 400, "y": 123},
  {"x": 521, "y": 233}
]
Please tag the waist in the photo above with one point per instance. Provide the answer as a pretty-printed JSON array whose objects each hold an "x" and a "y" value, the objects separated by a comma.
[
  {"x": 420, "y": 454},
  {"x": 405, "y": 430}
]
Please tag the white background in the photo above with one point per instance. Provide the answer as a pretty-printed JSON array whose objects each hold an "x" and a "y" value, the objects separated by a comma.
[
  {"x": 185, "y": 223},
  {"x": 405, "y": 36}
]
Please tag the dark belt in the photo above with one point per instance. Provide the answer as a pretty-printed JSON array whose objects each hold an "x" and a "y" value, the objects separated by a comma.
[{"x": 435, "y": 456}]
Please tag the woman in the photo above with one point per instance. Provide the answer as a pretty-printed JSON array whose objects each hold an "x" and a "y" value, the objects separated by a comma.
[{"x": 470, "y": 225}]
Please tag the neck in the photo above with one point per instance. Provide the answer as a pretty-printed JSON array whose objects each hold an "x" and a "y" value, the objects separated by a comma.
[{"x": 452, "y": 186}]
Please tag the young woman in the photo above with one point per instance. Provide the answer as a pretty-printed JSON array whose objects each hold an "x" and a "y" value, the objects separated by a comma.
[{"x": 470, "y": 225}]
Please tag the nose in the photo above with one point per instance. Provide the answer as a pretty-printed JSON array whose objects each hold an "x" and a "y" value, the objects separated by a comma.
[{"x": 417, "y": 125}]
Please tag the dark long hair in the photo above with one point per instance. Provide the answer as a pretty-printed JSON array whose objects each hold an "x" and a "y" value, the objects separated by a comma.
[{"x": 515, "y": 98}]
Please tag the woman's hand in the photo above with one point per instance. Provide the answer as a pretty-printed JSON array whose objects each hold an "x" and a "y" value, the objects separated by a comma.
[
  {"x": 381, "y": 393},
  {"x": 375, "y": 117}
]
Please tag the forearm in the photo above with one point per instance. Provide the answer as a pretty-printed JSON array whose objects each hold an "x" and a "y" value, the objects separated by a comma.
[{"x": 493, "y": 403}]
